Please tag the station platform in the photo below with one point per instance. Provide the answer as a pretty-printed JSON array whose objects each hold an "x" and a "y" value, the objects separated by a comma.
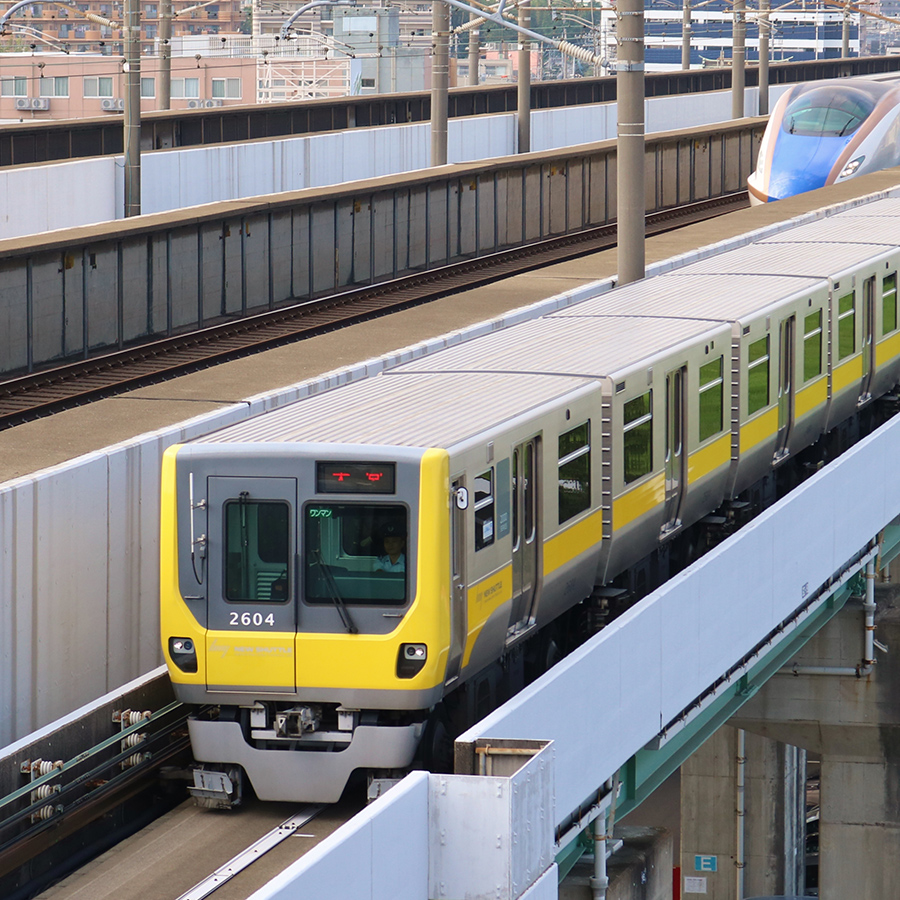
[{"x": 65, "y": 436}]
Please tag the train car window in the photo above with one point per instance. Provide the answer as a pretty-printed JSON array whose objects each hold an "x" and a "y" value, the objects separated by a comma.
[
  {"x": 827, "y": 112},
  {"x": 812, "y": 345},
  {"x": 711, "y": 396},
  {"x": 355, "y": 553},
  {"x": 257, "y": 551},
  {"x": 846, "y": 326},
  {"x": 758, "y": 375},
  {"x": 889, "y": 303},
  {"x": 638, "y": 444},
  {"x": 574, "y": 471},
  {"x": 484, "y": 509}
]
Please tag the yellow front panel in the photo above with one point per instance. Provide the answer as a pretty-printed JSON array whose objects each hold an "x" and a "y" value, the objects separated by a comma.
[
  {"x": 811, "y": 397},
  {"x": 250, "y": 659},
  {"x": 370, "y": 660},
  {"x": 847, "y": 374},
  {"x": 175, "y": 618},
  {"x": 759, "y": 429},
  {"x": 887, "y": 350},
  {"x": 573, "y": 541},
  {"x": 709, "y": 458},
  {"x": 640, "y": 500},
  {"x": 484, "y": 598}
]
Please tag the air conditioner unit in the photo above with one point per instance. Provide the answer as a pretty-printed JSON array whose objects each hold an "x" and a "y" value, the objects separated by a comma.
[
  {"x": 23, "y": 103},
  {"x": 120, "y": 104},
  {"x": 209, "y": 104},
  {"x": 195, "y": 104},
  {"x": 40, "y": 103},
  {"x": 108, "y": 104}
]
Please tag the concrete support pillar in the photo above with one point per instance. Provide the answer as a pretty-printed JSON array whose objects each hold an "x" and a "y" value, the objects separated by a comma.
[
  {"x": 759, "y": 858},
  {"x": 523, "y": 87},
  {"x": 440, "y": 81},
  {"x": 474, "y": 52}
]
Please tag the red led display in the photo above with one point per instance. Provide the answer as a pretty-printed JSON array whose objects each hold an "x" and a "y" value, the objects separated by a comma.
[{"x": 355, "y": 478}]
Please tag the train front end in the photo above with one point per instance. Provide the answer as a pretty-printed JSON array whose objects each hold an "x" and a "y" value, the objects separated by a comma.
[
  {"x": 823, "y": 133},
  {"x": 304, "y": 610}
]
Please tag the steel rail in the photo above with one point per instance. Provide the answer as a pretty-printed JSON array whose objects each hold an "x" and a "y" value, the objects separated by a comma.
[{"x": 38, "y": 394}]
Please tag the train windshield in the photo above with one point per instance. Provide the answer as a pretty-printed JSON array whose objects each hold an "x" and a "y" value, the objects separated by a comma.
[
  {"x": 356, "y": 553},
  {"x": 827, "y": 112}
]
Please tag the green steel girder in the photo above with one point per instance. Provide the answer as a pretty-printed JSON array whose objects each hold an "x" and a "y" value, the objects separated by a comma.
[{"x": 648, "y": 768}]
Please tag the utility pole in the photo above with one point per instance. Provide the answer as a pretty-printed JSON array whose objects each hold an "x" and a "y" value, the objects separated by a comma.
[
  {"x": 845, "y": 32},
  {"x": 165, "y": 55},
  {"x": 474, "y": 50},
  {"x": 440, "y": 80},
  {"x": 738, "y": 58},
  {"x": 630, "y": 143},
  {"x": 686, "y": 34},
  {"x": 132, "y": 28},
  {"x": 764, "y": 29},
  {"x": 523, "y": 86}
]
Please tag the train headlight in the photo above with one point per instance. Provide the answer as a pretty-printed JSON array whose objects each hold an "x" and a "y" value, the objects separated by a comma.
[
  {"x": 411, "y": 659},
  {"x": 183, "y": 653},
  {"x": 852, "y": 166}
]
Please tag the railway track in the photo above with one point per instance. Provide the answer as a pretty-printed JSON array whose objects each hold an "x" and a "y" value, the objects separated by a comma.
[{"x": 73, "y": 384}]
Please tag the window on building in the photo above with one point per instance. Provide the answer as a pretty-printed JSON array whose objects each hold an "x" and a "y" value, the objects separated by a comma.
[
  {"x": 574, "y": 472},
  {"x": 148, "y": 87},
  {"x": 98, "y": 86},
  {"x": 758, "y": 375},
  {"x": 484, "y": 509},
  {"x": 367, "y": 82},
  {"x": 846, "y": 325},
  {"x": 212, "y": 12},
  {"x": 17, "y": 86},
  {"x": 55, "y": 86},
  {"x": 812, "y": 345},
  {"x": 226, "y": 88},
  {"x": 889, "y": 303},
  {"x": 150, "y": 32},
  {"x": 151, "y": 11},
  {"x": 711, "y": 396},
  {"x": 638, "y": 437},
  {"x": 185, "y": 88}
]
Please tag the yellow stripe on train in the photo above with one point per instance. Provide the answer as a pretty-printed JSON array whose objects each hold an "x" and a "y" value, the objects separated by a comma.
[
  {"x": 639, "y": 500},
  {"x": 573, "y": 541},
  {"x": 847, "y": 374},
  {"x": 759, "y": 429},
  {"x": 483, "y": 599},
  {"x": 709, "y": 458},
  {"x": 810, "y": 397},
  {"x": 887, "y": 350}
]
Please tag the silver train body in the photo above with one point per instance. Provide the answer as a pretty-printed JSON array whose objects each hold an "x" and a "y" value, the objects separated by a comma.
[{"x": 523, "y": 470}]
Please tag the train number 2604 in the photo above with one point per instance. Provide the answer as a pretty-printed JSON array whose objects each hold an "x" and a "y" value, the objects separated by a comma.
[{"x": 256, "y": 619}]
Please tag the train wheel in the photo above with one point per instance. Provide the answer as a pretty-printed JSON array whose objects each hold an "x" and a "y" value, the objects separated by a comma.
[{"x": 436, "y": 748}]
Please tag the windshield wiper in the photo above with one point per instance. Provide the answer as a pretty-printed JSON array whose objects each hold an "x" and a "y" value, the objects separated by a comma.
[{"x": 335, "y": 594}]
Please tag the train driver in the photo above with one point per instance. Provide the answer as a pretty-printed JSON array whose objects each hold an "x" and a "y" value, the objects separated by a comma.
[{"x": 393, "y": 537}]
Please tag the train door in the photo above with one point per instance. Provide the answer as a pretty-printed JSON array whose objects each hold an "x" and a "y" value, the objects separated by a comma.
[
  {"x": 785, "y": 385},
  {"x": 458, "y": 596},
  {"x": 525, "y": 487},
  {"x": 675, "y": 456},
  {"x": 868, "y": 338},
  {"x": 252, "y": 593}
]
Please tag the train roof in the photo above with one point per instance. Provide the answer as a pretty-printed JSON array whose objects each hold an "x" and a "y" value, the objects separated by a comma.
[
  {"x": 567, "y": 346},
  {"x": 422, "y": 410},
  {"x": 684, "y": 294}
]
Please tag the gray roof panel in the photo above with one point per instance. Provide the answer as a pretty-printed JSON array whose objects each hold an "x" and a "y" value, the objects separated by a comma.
[{"x": 416, "y": 411}]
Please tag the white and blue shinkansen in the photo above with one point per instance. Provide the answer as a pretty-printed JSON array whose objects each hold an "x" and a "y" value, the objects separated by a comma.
[{"x": 825, "y": 132}]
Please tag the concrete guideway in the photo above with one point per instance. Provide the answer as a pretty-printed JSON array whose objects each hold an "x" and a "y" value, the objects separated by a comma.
[{"x": 707, "y": 639}]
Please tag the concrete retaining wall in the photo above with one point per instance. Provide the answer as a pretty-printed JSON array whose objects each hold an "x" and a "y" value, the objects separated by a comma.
[{"x": 69, "y": 293}]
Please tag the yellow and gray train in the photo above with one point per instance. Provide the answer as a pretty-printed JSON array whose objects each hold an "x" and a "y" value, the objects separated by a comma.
[{"x": 335, "y": 571}]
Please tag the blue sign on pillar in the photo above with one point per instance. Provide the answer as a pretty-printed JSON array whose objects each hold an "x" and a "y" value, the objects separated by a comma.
[{"x": 706, "y": 863}]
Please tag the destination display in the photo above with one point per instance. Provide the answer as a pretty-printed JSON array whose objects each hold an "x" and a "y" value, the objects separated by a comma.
[{"x": 355, "y": 478}]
